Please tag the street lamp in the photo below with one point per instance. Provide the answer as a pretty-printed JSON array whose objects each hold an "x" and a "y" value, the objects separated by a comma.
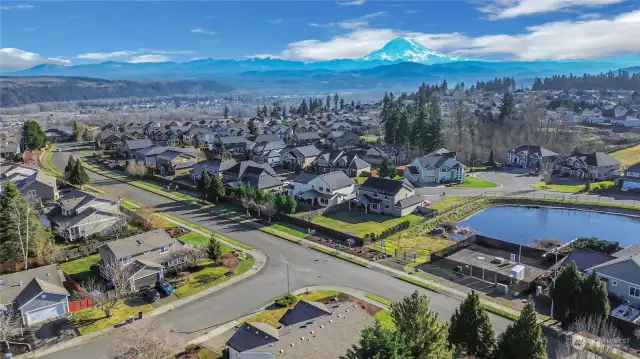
[
  {"x": 555, "y": 276},
  {"x": 288, "y": 283}
]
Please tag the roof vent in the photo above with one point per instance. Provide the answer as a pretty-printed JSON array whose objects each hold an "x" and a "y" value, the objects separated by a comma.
[
  {"x": 292, "y": 344},
  {"x": 322, "y": 326},
  {"x": 330, "y": 321},
  {"x": 48, "y": 274},
  {"x": 270, "y": 345},
  {"x": 312, "y": 332},
  {"x": 20, "y": 283},
  {"x": 257, "y": 332},
  {"x": 281, "y": 351},
  {"x": 301, "y": 338}
]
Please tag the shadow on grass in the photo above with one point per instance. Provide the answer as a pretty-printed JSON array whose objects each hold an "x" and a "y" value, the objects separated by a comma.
[{"x": 355, "y": 217}]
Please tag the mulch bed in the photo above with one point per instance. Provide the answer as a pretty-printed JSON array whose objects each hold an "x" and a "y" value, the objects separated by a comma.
[
  {"x": 362, "y": 252},
  {"x": 176, "y": 232},
  {"x": 346, "y": 298}
]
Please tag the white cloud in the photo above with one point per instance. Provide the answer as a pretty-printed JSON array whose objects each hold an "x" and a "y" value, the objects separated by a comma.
[
  {"x": 276, "y": 21},
  {"x": 16, "y": 7},
  {"x": 351, "y": 3},
  {"x": 149, "y": 58},
  {"x": 588, "y": 39},
  {"x": 508, "y": 9},
  {"x": 12, "y": 59},
  {"x": 202, "y": 31},
  {"x": 105, "y": 55},
  {"x": 167, "y": 52},
  {"x": 351, "y": 24},
  {"x": 591, "y": 16}
]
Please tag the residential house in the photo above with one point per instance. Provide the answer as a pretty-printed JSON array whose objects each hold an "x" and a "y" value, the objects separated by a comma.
[
  {"x": 233, "y": 144},
  {"x": 59, "y": 134},
  {"x": 625, "y": 121},
  {"x": 268, "y": 152},
  {"x": 265, "y": 138},
  {"x": 176, "y": 161},
  {"x": 281, "y": 131},
  {"x": 250, "y": 173},
  {"x": 168, "y": 137},
  {"x": 591, "y": 116},
  {"x": 310, "y": 330},
  {"x": 299, "y": 157},
  {"x": 596, "y": 166},
  {"x": 631, "y": 178},
  {"x": 622, "y": 276},
  {"x": 31, "y": 181},
  {"x": 78, "y": 214},
  {"x": 585, "y": 259},
  {"x": 305, "y": 138},
  {"x": 149, "y": 155},
  {"x": 342, "y": 139},
  {"x": 326, "y": 189},
  {"x": 202, "y": 134},
  {"x": 527, "y": 156},
  {"x": 387, "y": 196},
  {"x": 341, "y": 126},
  {"x": 145, "y": 257},
  {"x": 9, "y": 145},
  {"x": 215, "y": 167},
  {"x": 349, "y": 163},
  {"x": 129, "y": 147},
  {"x": 439, "y": 166},
  {"x": 38, "y": 294}
]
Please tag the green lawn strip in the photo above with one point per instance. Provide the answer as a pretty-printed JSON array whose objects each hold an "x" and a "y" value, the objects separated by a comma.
[
  {"x": 500, "y": 312},
  {"x": 282, "y": 235},
  {"x": 379, "y": 299},
  {"x": 567, "y": 188},
  {"x": 359, "y": 224},
  {"x": 603, "y": 352},
  {"x": 476, "y": 183},
  {"x": 209, "y": 232},
  {"x": 371, "y": 139},
  {"x": 80, "y": 265},
  {"x": 197, "y": 238},
  {"x": 596, "y": 205},
  {"x": 210, "y": 276},
  {"x": 290, "y": 229},
  {"x": 273, "y": 314},
  {"x": 337, "y": 254},
  {"x": 89, "y": 320},
  {"x": 384, "y": 317},
  {"x": 419, "y": 283}
]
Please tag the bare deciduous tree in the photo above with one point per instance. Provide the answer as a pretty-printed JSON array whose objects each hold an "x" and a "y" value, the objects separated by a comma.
[
  {"x": 43, "y": 246},
  {"x": 270, "y": 207},
  {"x": 136, "y": 169},
  {"x": 596, "y": 331},
  {"x": 10, "y": 324},
  {"x": 147, "y": 340},
  {"x": 148, "y": 217},
  {"x": 246, "y": 203}
]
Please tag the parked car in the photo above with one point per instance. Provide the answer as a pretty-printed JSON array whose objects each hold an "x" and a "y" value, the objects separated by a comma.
[
  {"x": 164, "y": 286},
  {"x": 150, "y": 294}
]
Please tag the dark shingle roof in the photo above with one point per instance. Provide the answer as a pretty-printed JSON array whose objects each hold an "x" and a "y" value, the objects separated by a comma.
[
  {"x": 409, "y": 201},
  {"x": 585, "y": 258},
  {"x": 140, "y": 243},
  {"x": 337, "y": 180},
  {"x": 304, "y": 311},
  {"x": 48, "y": 277},
  {"x": 384, "y": 185},
  {"x": 138, "y": 144},
  {"x": 304, "y": 177},
  {"x": 307, "y": 136},
  {"x": 634, "y": 168},
  {"x": 308, "y": 151}
]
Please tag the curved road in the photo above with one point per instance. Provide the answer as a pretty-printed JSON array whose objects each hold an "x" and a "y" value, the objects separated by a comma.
[{"x": 307, "y": 268}]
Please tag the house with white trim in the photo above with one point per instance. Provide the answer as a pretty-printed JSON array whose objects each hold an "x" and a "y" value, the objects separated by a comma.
[
  {"x": 325, "y": 189},
  {"x": 528, "y": 156},
  {"x": 439, "y": 166},
  {"x": 621, "y": 275},
  {"x": 631, "y": 178}
]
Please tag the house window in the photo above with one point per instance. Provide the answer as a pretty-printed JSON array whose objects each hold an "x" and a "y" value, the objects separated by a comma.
[
  {"x": 386, "y": 206},
  {"x": 75, "y": 231},
  {"x": 65, "y": 212},
  {"x": 328, "y": 190},
  {"x": 375, "y": 195},
  {"x": 126, "y": 260},
  {"x": 31, "y": 192},
  {"x": 164, "y": 249},
  {"x": 634, "y": 292},
  {"x": 321, "y": 189},
  {"x": 324, "y": 201}
]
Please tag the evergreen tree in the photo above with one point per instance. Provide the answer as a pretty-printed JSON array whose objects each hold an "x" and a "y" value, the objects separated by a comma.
[
  {"x": 214, "y": 251},
  {"x": 587, "y": 186},
  {"x": 197, "y": 142},
  {"x": 387, "y": 168},
  {"x": 594, "y": 300},
  {"x": 328, "y": 102},
  {"x": 435, "y": 126},
  {"x": 403, "y": 132},
  {"x": 420, "y": 135},
  {"x": 217, "y": 188},
  {"x": 341, "y": 104},
  {"x": 566, "y": 293},
  {"x": 78, "y": 131},
  {"x": 378, "y": 342},
  {"x": 253, "y": 129},
  {"x": 508, "y": 108},
  {"x": 523, "y": 339},
  {"x": 353, "y": 105},
  {"x": 71, "y": 163},
  {"x": 33, "y": 138},
  {"x": 265, "y": 111},
  {"x": 79, "y": 176},
  {"x": 226, "y": 111},
  {"x": 491, "y": 162},
  {"x": 426, "y": 338},
  {"x": 303, "y": 110},
  {"x": 9, "y": 246},
  {"x": 335, "y": 100},
  {"x": 204, "y": 184},
  {"x": 471, "y": 331}
]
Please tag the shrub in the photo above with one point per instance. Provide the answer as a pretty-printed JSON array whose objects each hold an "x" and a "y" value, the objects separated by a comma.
[
  {"x": 228, "y": 260},
  {"x": 190, "y": 347},
  {"x": 448, "y": 226},
  {"x": 365, "y": 174},
  {"x": 286, "y": 300}
]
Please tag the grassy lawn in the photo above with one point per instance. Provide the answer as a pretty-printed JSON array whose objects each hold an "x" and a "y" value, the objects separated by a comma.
[
  {"x": 360, "y": 179},
  {"x": 476, "y": 183},
  {"x": 209, "y": 232},
  {"x": 197, "y": 238},
  {"x": 290, "y": 229},
  {"x": 80, "y": 265},
  {"x": 89, "y": 320},
  {"x": 379, "y": 299},
  {"x": 356, "y": 223},
  {"x": 628, "y": 157},
  {"x": 384, "y": 317},
  {"x": 273, "y": 314},
  {"x": 570, "y": 188},
  {"x": 446, "y": 202},
  {"x": 372, "y": 139},
  {"x": 209, "y": 276}
]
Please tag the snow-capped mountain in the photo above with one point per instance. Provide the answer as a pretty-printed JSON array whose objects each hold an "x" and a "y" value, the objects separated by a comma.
[{"x": 403, "y": 49}]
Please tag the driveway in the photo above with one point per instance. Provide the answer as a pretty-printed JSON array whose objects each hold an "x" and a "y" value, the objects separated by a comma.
[
  {"x": 307, "y": 268},
  {"x": 507, "y": 181}
]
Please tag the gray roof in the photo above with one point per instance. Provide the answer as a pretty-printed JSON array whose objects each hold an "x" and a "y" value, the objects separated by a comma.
[
  {"x": 138, "y": 144},
  {"x": 140, "y": 243},
  {"x": 585, "y": 258},
  {"x": 228, "y": 140},
  {"x": 634, "y": 168},
  {"x": 628, "y": 251},
  {"x": 305, "y": 177},
  {"x": 152, "y": 150},
  {"x": 624, "y": 268},
  {"x": 384, "y": 185},
  {"x": 307, "y": 136},
  {"x": 540, "y": 151},
  {"x": 252, "y": 335},
  {"x": 239, "y": 168},
  {"x": 34, "y": 281},
  {"x": 307, "y": 151},
  {"x": 304, "y": 311},
  {"x": 438, "y": 161},
  {"x": 337, "y": 180},
  {"x": 75, "y": 199},
  {"x": 409, "y": 201},
  {"x": 358, "y": 163},
  {"x": 216, "y": 165},
  {"x": 259, "y": 177},
  {"x": 265, "y": 137}
]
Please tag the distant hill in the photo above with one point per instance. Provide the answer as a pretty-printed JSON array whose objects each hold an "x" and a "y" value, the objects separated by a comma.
[{"x": 18, "y": 91}]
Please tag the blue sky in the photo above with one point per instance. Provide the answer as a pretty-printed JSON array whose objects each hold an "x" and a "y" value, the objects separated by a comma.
[{"x": 136, "y": 31}]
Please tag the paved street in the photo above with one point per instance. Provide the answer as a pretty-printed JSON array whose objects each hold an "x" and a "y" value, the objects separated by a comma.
[{"x": 308, "y": 268}]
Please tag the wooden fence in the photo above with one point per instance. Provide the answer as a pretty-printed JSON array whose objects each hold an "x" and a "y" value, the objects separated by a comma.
[{"x": 76, "y": 305}]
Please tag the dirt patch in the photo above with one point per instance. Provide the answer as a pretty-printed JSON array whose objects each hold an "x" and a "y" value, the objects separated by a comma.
[
  {"x": 346, "y": 298},
  {"x": 362, "y": 252},
  {"x": 176, "y": 232}
]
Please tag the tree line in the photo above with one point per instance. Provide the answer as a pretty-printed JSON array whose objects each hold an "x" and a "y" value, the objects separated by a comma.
[
  {"x": 416, "y": 333},
  {"x": 620, "y": 80}
]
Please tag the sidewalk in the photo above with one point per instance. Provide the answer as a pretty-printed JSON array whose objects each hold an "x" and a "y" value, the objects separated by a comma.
[{"x": 260, "y": 262}]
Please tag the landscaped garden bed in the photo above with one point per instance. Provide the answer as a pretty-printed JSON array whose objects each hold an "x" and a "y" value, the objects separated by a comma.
[{"x": 336, "y": 245}]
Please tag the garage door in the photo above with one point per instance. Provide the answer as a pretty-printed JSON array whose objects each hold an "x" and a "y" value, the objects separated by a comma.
[
  {"x": 148, "y": 280},
  {"x": 46, "y": 313}
]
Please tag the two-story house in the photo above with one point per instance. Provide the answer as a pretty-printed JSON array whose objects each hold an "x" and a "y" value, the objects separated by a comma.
[
  {"x": 202, "y": 134},
  {"x": 349, "y": 163},
  {"x": 78, "y": 214},
  {"x": 299, "y": 157},
  {"x": 215, "y": 167},
  {"x": 387, "y": 196},
  {"x": 176, "y": 161},
  {"x": 326, "y": 189},
  {"x": 145, "y": 257},
  {"x": 30, "y": 181},
  {"x": 621, "y": 275},
  {"x": 439, "y": 166},
  {"x": 527, "y": 156},
  {"x": 233, "y": 144},
  {"x": 250, "y": 173},
  {"x": 149, "y": 155},
  {"x": 342, "y": 139},
  {"x": 595, "y": 166},
  {"x": 631, "y": 178},
  {"x": 300, "y": 138},
  {"x": 129, "y": 147},
  {"x": 268, "y": 152}
]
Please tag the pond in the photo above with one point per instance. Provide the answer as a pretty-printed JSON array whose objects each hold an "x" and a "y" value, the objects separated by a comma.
[{"x": 511, "y": 223}]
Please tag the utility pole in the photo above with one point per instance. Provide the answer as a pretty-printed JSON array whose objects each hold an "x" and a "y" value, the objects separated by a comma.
[{"x": 288, "y": 282}]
